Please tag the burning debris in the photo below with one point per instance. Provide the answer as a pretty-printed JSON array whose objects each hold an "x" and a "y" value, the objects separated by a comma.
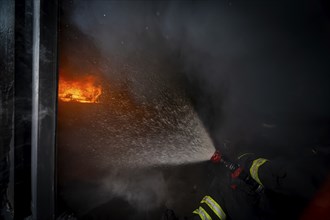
[{"x": 83, "y": 90}]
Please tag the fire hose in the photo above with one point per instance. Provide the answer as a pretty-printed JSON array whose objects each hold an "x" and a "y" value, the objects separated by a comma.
[{"x": 237, "y": 171}]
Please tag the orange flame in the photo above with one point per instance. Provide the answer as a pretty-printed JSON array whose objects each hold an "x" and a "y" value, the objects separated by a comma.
[{"x": 84, "y": 90}]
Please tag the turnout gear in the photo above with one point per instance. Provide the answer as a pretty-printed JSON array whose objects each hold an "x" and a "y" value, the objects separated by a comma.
[
  {"x": 284, "y": 183},
  {"x": 213, "y": 206},
  {"x": 244, "y": 191},
  {"x": 254, "y": 169},
  {"x": 267, "y": 173},
  {"x": 202, "y": 213}
]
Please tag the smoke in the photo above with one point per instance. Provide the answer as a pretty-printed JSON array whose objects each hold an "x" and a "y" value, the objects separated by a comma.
[
  {"x": 142, "y": 190},
  {"x": 244, "y": 61},
  {"x": 256, "y": 73}
]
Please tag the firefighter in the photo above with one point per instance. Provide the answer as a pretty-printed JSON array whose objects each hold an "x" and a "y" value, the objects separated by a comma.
[
  {"x": 254, "y": 184},
  {"x": 227, "y": 198}
]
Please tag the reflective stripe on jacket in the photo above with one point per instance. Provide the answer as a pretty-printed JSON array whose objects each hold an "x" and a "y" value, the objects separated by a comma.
[
  {"x": 254, "y": 169},
  {"x": 202, "y": 213},
  {"x": 214, "y": 206},
  {"x": 248, "y": 160}
]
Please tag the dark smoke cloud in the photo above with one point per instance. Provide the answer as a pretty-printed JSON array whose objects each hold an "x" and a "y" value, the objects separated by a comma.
[
  {"x": 253, "y": 64},
  {"x": 257, "y": 72}
]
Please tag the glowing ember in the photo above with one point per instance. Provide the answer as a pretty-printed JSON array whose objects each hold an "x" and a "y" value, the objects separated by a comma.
[{"x": 85, "y": 90}]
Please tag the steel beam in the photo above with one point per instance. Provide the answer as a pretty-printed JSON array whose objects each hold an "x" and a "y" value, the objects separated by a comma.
[{"x": 44, "y": 108}]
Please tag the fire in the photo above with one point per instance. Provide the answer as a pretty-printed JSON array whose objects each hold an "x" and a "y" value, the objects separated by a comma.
[{"x": 84, "y": 90}]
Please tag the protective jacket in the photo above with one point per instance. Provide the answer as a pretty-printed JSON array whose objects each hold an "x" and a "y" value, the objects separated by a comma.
[
  {"x": 231, "y": 198},
  {"x": 285, "y": 190},
  {"x": 227, "y": 198}
]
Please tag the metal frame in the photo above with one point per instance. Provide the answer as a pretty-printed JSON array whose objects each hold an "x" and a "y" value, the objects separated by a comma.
[
  {"x": 44, "y": 108},
  {"x": 7, "y": 69},
  {"x": 21, "y": 160}
]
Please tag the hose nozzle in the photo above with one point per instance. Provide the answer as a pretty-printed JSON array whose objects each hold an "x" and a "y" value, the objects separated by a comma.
[{"x": 216, "y": 157}]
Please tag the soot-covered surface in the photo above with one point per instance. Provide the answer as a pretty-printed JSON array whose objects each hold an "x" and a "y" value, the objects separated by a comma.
[{"x": 255, "y": 73}]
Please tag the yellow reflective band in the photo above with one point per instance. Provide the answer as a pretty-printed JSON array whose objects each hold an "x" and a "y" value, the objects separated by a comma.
[
  {"x": 216, "y": 208},
  {"x": 255, "y": 167},
  {"x": 202, "y": 213}
]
